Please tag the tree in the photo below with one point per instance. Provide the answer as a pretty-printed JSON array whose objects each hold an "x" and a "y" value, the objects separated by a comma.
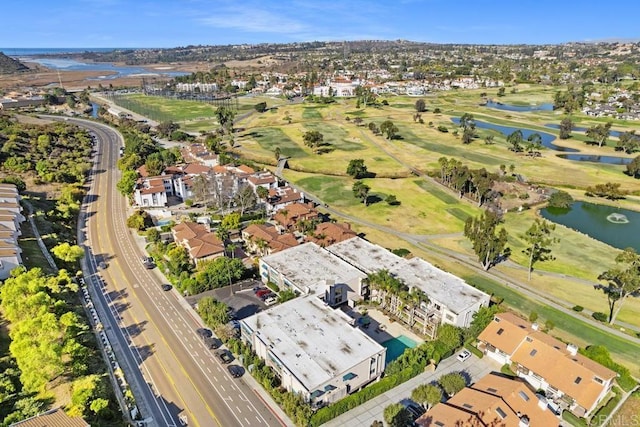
[
  {"x": 139, "y": 220},
  {"x": 467, "y": 121},
  {"x": 452, "y": 383},
  {"x": 468, "y": 134},
  {"x": 501, "y": 92},
  {"x": 231, "y": 221},
  {"x": 165, "y": 129},
  {"x": 260, "y": 107},
  {"x": 357, "y": 168},
  {"x": 361, "y": 191},
  {"x": 539, "y": 240},
  {"x": 262, "y": 193},
  {"x": 560, "y": 199},
  {"x": 599, "y": 133},
  {"x": 534, "y": 144},
  {"x": 225, "y": 118},
  {"x": 68, "y": 253},
  {"x": 389, "y": 129},
  {"x": 313, "y": 139},
  {"x": 213, "y": 312},
  {"x": 420, "y": 106},
  {"x": 127, "y": 183},
  {"x": 628, "y": 142},
  {"x": 633, "y": 168},
  {"x": 396, "y": 415},
  {"x": 515, "y": 139},
  {"x": 427, "y": 394},
  {"x": 392, "y": 200},
  {"x": 622, "y": 280},
  {"x": 488, "y": 242},
  {"x": 277, "y": 153},
  {"x": 566, "y": 126},
  {"x": 153, "y": 235},
  {"x": 610, "y": 190}
]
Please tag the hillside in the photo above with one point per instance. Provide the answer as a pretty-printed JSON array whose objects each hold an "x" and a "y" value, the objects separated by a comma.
[{"x": 9, "y": 65}]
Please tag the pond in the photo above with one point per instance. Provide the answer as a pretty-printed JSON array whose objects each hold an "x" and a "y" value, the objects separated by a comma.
[
  {"x": 617, "y": 227},
  {"x": 508, "y": 130},
  {"x": 611, "y": 160},
  {"x": 518, "y": 108},
  {"x": 614, "y": 133}
]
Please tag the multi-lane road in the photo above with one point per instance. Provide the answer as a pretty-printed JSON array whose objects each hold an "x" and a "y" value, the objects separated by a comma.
[{"x": 173, "y": 375}]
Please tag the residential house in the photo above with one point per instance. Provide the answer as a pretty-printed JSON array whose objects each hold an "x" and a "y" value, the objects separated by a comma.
[
  {"x": 329, "y": 233},
  {"x": 570, "y": 380},
  {"x": 265, "y": 239},
  {"x": 153, "y": 191},
  {"x": 200, "y": 243},
  {"x": 281, "y": 197},
  {"x": 293, "y": 215},
  {"x": 494, "y": 400},
  {"x": 263, "y": 179},
  {"x": 10, "y": 219},
  {"x": 52, "y": 418},
  {"x": 315, "y": 350}
]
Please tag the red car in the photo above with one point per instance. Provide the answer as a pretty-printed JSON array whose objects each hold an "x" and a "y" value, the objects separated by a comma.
[{"x": 262, "y": 292}]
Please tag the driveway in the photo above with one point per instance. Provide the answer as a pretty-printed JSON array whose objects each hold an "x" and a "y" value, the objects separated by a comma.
[{"x": 365, "y": 414}]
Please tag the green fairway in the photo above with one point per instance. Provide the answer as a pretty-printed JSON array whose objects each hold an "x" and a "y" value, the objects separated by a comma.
[{"x": 272, "y": 137}]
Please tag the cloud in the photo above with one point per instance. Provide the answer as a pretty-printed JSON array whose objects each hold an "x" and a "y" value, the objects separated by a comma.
[{"x": 255, "y": 21}]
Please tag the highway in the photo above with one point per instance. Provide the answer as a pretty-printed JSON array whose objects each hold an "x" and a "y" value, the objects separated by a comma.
[{"x": 172, "y": 375}]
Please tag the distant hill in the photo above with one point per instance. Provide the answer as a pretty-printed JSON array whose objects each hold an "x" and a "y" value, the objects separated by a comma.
[{"x": 9, "y": 65}]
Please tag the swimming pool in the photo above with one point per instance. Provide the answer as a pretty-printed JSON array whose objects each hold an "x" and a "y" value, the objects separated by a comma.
[{"x": 396, "y": 346}]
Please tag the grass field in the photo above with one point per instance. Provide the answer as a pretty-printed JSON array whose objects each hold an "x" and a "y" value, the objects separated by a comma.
[{"x": 428, "y": 209}]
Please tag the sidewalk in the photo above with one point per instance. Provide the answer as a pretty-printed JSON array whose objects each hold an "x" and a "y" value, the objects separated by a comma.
[
  {"x": 365, "y": 414},
  {"x": 247, "y": 378}
]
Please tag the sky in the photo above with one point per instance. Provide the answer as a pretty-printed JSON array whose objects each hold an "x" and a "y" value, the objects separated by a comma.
[{"x": 173, "y": 23}]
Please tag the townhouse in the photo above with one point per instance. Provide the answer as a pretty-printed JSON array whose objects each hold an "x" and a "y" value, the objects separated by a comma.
[
  {"x": 570, "y": 380},
  {"x": 200, "y": 243},
  {"x": 11, "y": 218},
  {"x": 494, "y": 400}
]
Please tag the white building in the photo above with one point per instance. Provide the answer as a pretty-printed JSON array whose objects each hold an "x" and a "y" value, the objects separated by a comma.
[
  {"x": 310, "y": 269},
  {"x": 315, "y": 350},
  {"x": 451, "y": 299}
]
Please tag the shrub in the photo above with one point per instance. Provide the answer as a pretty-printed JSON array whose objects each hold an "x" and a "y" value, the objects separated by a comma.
[
  {"x": 600, "y": 317},
  {"x": 577, "y": 308},
  {"x": 443, "y": 128}
]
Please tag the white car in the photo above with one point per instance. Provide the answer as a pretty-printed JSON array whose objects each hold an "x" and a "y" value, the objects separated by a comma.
[
  {"x": 463, "y": 355},
  {"x": 271, "y": 300}
]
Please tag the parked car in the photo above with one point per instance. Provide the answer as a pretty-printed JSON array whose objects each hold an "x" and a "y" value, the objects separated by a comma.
[
  {"x": 265, "y": 297},
  {"x": 235, "y": 370},
  {"x": 148, "y": 263},
  {"x": 224, "y": 356},
  {"x": 167, "y": 287},
  {"x": 262, "y": 292},
  {"x": 270, "y": 300},
  {"x": 415, "y": 410},
  {"x": 204, "y": 332},
  {"x": 258, "y": 289},
  {"x": 463, "y": 355},
  {"x": 212, "y": 343}
]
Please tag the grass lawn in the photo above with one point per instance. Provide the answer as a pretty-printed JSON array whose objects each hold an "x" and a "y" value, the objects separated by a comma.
[
  {"x": 32, "y": 256},
  {"x": 628, "y": 412},
  {"x": 166, "y": 109},
  {"x": 271, "y": 137}
]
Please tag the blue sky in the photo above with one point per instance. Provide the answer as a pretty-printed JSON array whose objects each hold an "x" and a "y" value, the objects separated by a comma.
[{"x": 171, "y": 23}]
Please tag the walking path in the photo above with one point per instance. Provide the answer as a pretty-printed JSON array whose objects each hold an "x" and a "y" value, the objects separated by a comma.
[
  {"x": 36, "y": 234},
  {"x": 364, "y": 415}
]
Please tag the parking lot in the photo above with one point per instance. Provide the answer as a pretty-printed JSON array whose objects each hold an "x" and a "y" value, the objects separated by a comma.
[{"x": 239, "y": 297}]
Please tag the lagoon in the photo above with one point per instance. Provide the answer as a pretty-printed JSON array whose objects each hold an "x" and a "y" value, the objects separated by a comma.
[
  {"x": 518, "y": 108},
  {"x": 116, "y": 70},
  {"x": 507, "y": 130},
  {"x": 617, "y": 227},
  {"x": 610, "y": 160}
]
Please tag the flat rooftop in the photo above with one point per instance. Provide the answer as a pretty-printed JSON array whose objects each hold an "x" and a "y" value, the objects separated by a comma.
[
  {"x": 365, "y": 255},
  {"x": 309, "y": 265},
  {"x": 449, "y": 290},
  {"x": 315, "y": 342}
]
